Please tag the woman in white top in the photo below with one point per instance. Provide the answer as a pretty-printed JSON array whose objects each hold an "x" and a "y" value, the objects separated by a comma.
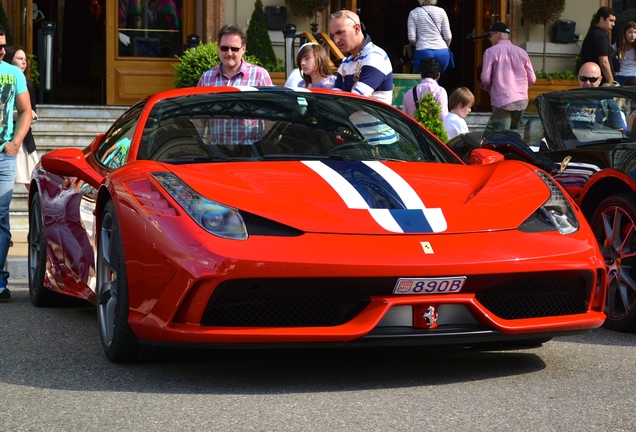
[
  {"x": 27, "y": 157},
  {"x": 429, "y": 30},
  {"x": 626, "y": 49}
]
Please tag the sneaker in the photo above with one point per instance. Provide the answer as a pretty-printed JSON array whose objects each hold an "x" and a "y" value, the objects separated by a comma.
[{"x": 5, "y": 294}]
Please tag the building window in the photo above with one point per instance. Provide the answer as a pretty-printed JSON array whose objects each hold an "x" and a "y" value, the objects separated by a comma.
[{"x": 150, "y": 28}]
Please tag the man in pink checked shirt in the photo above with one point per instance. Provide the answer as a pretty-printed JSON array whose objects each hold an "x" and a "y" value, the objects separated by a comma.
[
  {"x": 506, "y": 74},
  {"x": 234, "y": 71}
]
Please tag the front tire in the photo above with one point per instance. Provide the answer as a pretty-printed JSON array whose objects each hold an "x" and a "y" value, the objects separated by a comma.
[
  {"x": 40, "y": 296},
  {"x": 118, "y": 340},
  {"x": 614, "y": 226}
]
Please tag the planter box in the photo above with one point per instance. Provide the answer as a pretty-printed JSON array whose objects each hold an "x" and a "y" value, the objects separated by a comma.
[
  {"x": 278, "y": 78},
  {"x": 545, "y": 85}
]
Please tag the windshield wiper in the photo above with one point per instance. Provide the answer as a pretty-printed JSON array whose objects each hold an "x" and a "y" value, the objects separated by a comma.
[
  {"x": 283, "y": 156},
  {"x": 198, "y": 159}
]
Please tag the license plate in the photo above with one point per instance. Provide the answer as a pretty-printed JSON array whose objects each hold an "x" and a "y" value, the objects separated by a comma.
[{"x": 429, "y": 285}]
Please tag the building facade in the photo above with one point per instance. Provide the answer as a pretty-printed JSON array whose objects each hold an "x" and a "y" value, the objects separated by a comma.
[{"x": 102, "y": 52}]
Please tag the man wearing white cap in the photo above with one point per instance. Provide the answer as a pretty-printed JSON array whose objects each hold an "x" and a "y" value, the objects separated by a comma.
[{"x": 506, "y": 74}]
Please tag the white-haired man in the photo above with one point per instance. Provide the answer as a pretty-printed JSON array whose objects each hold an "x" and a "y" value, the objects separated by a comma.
[
  {"x": 367, "y": 69},
  {"x": 507, "y": 73}
]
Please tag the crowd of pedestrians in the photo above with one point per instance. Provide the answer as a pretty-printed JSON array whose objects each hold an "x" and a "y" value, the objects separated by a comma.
[{"x": 507, "y": 72}]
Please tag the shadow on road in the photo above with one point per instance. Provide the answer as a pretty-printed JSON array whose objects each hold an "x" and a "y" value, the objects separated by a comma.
[{"x": 59, "y": 348}]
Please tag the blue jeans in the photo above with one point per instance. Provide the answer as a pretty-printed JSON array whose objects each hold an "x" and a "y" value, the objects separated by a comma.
[
  {"x": 621, "y": 79},
  {"x": 442, "y": 56},
  {"x": 7, "y": 179}
]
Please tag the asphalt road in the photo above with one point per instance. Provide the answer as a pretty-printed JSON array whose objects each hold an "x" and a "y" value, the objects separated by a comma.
[{"x": 54, "y": 377}]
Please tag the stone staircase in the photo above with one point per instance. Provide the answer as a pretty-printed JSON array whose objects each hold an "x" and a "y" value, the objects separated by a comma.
[{"x": 61, "y": 126}]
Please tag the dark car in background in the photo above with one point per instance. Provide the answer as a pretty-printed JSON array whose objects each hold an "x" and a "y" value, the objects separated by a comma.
[{"x": 586, "y": 139}]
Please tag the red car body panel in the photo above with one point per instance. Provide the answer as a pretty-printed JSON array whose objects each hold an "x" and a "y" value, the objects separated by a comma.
[{"x": 174, "y": 266}]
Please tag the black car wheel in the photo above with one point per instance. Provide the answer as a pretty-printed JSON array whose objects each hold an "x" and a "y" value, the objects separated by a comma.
[
  {"x": 614, "y": 225},
  {"x": 38, "y": 293},
  {"x": 118, "y": 340}
]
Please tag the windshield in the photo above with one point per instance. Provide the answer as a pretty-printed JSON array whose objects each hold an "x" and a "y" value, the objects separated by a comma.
[
  {"x": 592, "y": 120},
  {"x": 582, "y": 117},
  {"x": 283, "y": 125}
]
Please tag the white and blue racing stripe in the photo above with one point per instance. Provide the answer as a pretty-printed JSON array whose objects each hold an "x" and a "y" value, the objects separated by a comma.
[{"x": 390, "y": 200}]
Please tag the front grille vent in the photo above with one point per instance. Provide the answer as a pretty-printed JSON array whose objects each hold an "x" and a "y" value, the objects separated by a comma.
[
  {"x": 535, "y": 297},
  {"x": 291, "y": 302}
]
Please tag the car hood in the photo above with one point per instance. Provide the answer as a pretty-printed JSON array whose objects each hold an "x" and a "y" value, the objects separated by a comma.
[{"x": 374, "y": 197}]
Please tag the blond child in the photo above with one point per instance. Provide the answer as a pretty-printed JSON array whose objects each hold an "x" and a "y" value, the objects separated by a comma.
[{"x": 460, "y": 103}]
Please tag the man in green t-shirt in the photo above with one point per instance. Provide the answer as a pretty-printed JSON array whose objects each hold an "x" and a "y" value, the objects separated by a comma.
[{"x": 13, "y": 95}]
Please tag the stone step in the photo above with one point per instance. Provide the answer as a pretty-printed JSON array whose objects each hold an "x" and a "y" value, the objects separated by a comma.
[
  {"x": 79, "y": 112},
  {"x": 62, "y": 126},
  {"x": 53, "y": 126}
]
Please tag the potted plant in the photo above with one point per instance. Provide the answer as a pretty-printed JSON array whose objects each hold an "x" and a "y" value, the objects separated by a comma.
[
  {"x": 308, "y": 9},
  {"x": 259, "y": 44},
  {"x": 427, "y": 114},
  {"x": 543, "y": 12},
  {"x": 552, "y": 81}
]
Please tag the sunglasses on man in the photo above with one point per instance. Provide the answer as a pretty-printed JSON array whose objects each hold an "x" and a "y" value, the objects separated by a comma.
[
  {"x": 226, "y": 48},
  {"x": 589, "y": 79}
]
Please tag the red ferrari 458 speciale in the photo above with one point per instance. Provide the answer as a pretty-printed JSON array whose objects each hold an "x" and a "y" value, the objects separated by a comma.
[{"x": 273, "y": 216}]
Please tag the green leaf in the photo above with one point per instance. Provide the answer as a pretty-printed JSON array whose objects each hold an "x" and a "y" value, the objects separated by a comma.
[
  {"x": 427, "y": 114},
  {"x": 259, "y": 43}
]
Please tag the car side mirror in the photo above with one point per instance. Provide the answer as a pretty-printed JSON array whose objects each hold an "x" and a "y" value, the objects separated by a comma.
[
  {"x": 482, "y": 156},
  {"x": 70, "y": 162}
]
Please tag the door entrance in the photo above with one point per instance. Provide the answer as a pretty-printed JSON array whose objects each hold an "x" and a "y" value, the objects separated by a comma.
[
  {"x": 77, "y": 66},
  {"x": 105, "y": 52}
]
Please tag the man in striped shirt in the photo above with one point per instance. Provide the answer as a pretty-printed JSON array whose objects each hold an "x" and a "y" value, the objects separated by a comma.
[
  {"x": 367, "y": 69},
  {"x": 234, "y": 71}
]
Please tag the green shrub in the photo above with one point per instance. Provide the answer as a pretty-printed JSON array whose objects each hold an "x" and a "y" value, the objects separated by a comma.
[
  {"x": 566, "y": 75},
  {"x": 259, "y": 43},
  {"x": 194, "y": 62},
  {"x": 427, "y": 113}
]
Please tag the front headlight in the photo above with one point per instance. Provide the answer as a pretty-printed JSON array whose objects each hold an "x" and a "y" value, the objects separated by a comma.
[
  {"x": 556, "y": 212},
  {"x": 220, "y": 220}
]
